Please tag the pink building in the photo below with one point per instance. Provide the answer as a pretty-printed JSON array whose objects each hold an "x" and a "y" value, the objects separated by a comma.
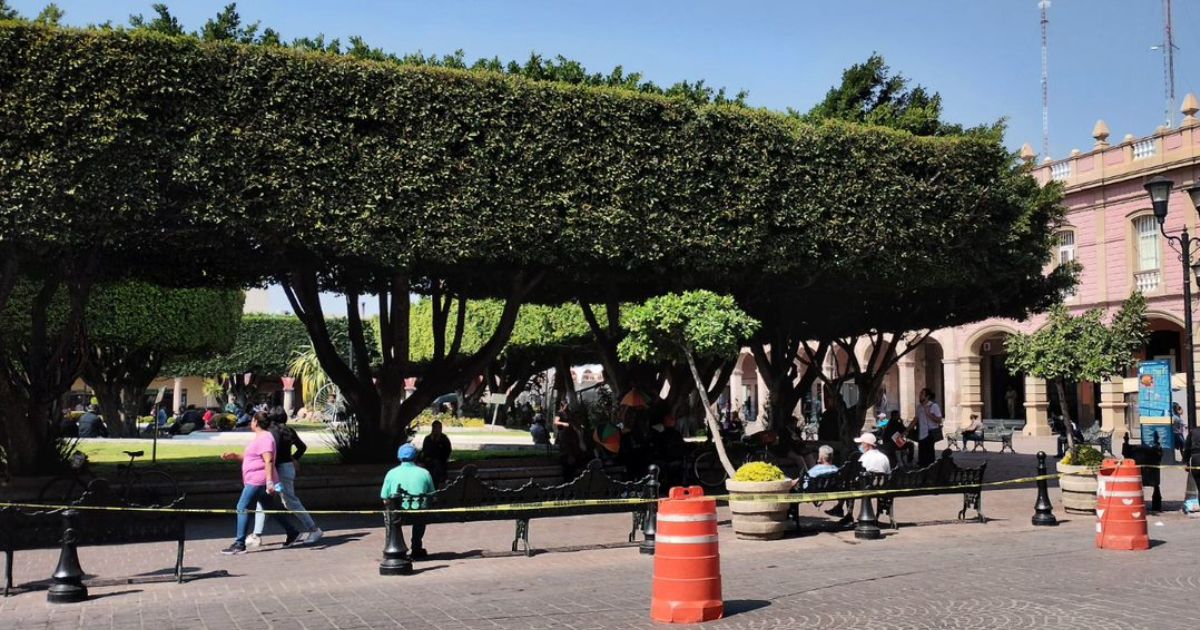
[{"x": 1111, "y": 231}]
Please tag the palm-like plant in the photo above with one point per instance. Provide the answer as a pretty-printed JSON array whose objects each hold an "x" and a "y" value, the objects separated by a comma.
[{"x": 305, "y": 366}]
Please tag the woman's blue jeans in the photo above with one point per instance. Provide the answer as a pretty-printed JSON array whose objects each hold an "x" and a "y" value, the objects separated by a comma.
[{"x": 258, "y": 494}]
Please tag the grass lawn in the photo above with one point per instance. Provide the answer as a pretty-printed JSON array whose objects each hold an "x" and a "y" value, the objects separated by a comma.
[{"x": 192, "y": 461}]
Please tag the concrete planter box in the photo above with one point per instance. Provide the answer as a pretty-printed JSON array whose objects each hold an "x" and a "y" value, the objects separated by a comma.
[
  {"x": 1078, "y": 487},
  {"x": 758, "y": 520}
]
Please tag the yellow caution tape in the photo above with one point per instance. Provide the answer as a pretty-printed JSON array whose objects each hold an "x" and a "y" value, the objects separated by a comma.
[{"x": 781, "y": 497}]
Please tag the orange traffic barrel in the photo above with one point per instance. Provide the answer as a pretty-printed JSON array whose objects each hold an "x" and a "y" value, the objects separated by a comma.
[
  {"x": 687, "y": 562},
  {"x": 1120, "y": 507}
]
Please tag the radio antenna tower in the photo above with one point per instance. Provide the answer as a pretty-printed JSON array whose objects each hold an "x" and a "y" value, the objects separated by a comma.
[
  {"x": 1044, "y": 5},
  {"x": 1168, "y": 49}
]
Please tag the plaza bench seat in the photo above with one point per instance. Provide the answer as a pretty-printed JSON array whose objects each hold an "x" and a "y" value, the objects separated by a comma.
[
  {"x": 994, "y": 430},
  {"x": 527, "y": 502}
]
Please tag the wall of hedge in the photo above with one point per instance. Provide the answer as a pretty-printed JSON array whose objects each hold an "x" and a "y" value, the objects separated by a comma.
[
  {"x": 264, "y": 345},
  {"x": 256, "y": 160}
]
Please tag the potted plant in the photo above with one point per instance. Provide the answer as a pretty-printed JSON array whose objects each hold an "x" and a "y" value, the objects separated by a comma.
[
  {"x": 759, "y": 520},
  {"x": 1078, "y": 481}
]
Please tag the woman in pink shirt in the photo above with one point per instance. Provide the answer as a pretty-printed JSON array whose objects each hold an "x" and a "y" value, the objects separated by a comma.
[{"x": 258, "y": 479}]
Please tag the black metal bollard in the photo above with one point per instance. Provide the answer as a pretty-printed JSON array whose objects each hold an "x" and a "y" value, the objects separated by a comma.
[
  {"x": 1043, "y": 511},
  {"x": 68, "y": 585},
  {"x": 867, "y": 527},
  {"x": 650, "y": 524},
  {"x": 395, "y": 553}
]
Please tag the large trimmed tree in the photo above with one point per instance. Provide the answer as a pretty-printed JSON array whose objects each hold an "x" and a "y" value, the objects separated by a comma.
[{"x": 1073, "y": 348}]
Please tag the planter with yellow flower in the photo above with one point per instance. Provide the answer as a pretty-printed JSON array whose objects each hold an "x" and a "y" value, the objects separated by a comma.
[
  {"x": 758, "y": 519},
  {"x": 1078, "y": 481}
]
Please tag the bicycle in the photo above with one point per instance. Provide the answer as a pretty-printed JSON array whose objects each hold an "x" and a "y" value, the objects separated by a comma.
[{"x": 134, "y": 486}]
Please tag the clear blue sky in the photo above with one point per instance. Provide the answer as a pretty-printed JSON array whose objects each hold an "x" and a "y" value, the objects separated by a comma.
[{"x": 983, "y": 56}]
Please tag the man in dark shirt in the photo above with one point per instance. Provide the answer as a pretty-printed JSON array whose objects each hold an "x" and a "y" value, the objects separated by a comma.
[
  {"x": 435, "y": 453},
  {"x": 91, "y": 425}
]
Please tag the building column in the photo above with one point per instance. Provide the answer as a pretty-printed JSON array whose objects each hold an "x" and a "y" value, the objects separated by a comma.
[
  {"x": 176, "y": 395},
  {"x": 950, "y": 396},
  {"x": 970, "y": 386},
  {"x": 762, "y": 393},
  {"x": 1112, "y": 407},
  {"x": 1037, "y": 405},
  {"x": 908, "y": 387},
  {"x": 736, "y": 400},
  {"x": 289, "y": 394}
]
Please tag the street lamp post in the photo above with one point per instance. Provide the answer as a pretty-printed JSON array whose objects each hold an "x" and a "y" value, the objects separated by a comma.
[{"x": 1160, "y": 195}]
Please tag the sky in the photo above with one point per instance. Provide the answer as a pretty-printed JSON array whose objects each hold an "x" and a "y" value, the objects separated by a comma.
[{"x": 982, "y": 56}]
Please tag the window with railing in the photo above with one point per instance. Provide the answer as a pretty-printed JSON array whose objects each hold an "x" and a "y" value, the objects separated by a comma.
[
  {"x": 1066, "y": 252},
  {"x": 1143, "y": 149},
  {"x": 1147, "y": 276},
  {"x": 1060, "y": 171}
]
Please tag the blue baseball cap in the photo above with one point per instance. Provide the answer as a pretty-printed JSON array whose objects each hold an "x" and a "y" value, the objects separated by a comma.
[{"x": 407, "y": 453}]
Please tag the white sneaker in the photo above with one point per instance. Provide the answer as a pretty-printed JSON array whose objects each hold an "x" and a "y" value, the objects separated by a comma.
[
  {"x": 314, "y": 536},
  {"x": 253, "y": 540}
]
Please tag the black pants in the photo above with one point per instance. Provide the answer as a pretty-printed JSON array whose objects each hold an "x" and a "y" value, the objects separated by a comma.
[
  {"x": 418, "y": 536},
  {"x": 925, "y": 451}
]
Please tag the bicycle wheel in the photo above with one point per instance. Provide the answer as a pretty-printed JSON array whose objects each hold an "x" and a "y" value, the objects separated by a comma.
[
  {"x": 708, "y": 470},
  {"x": 151, "y": 487},
  {"x": 60, "y": 491}
]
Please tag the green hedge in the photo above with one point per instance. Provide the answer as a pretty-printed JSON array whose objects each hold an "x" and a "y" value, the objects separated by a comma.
[
  {"x": 256, "y": 160},
  {"x": 264, "y": 345}
]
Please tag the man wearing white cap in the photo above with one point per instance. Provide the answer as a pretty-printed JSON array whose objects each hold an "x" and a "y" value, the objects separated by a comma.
[{"x": 872, "y": 459}]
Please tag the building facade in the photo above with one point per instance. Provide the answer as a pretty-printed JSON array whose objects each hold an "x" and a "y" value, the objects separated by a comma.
[{"x": 1110, "y": 230}]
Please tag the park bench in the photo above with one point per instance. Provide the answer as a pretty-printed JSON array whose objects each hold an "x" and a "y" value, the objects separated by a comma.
[
  {"x": 527, "y": 502},
  {"x": 1094, "y": 436},
  {"x": 941, "y": 477},
  {"x": 23, "y": 530},
  {"x": 994, "y": 430}
]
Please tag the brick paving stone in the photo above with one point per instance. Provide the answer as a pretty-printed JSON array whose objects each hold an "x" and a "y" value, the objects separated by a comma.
[{"x": 934, "y": 572}]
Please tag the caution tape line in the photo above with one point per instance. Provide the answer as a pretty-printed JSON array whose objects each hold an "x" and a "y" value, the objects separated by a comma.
[{"x": 782, "y": 497}]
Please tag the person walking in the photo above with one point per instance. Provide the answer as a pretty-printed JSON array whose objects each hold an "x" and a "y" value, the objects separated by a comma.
[
  {"x": 413, "y": 480},
  {"x": 1179, "y": 430},
  {"x": 289, "y": 448},
  {"x": 259, "y": 484},
  {"x": 929, "y": 427},
  {"x": 435, "y": 453}
]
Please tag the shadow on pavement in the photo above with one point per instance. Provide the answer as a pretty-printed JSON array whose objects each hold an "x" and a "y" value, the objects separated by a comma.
[{"x": 738, "y": 606}]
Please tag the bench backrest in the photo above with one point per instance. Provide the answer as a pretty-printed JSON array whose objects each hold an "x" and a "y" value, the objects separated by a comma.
[
  {"x": 942, "y": 473},
  {"x": 469, "y": 491},
  {"x": 1003, "y": 424},
  {"x": 21, "y": 530},
  {"x": 846, "y": 478}
]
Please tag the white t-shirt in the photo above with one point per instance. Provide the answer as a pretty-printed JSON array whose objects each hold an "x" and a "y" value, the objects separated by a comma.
[
  {"x": 929, "y": 417},
  {"x": 876, "y": 462}
]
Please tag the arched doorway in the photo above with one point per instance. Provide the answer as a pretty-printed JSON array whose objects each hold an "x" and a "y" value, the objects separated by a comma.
[{"x": 1002, "y": 393}]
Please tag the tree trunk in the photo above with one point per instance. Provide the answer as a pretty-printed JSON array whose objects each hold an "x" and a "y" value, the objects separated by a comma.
[
  {"x": 27, "y": 438},
  {"x": 1061, "y": 386},
  {"x": 714, "y": 426},
  {"x": 108, "y": 396}
]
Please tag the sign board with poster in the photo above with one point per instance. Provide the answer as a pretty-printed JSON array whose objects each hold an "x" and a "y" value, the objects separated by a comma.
[{"x": 1154, "y": 392}]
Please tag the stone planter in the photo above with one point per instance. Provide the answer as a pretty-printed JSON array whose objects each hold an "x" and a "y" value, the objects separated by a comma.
[
  {"x": 758, "y": 520},
  {"x": 1078, "y": 487}
]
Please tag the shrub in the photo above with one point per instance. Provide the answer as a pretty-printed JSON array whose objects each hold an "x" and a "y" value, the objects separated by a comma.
[
  {"x": 448, "y": 420},
  {"x": 759, "y": 471},
  {"x": 1083, "y": 456},
  {"x": 226, "y": 422}
]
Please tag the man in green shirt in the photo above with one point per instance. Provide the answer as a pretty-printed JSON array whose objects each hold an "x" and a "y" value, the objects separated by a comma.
[{"x": 413, "y": 480}]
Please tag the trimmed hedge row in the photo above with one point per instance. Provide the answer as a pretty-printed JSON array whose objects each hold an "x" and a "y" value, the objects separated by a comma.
[{"x": 254, "y": 160}]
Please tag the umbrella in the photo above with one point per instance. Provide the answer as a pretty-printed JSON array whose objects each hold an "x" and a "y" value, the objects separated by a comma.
[
  {"x": 634, "y": 399},
  {"x": 608, "y": 436}
]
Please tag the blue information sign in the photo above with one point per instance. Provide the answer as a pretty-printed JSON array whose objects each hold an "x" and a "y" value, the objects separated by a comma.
[{"x": 1154, "y": 392}]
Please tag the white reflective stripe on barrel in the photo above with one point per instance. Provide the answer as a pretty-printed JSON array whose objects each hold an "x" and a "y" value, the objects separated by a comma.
[
  {"x": 686, "y": 518},
  {"x": 1125, "y": 479},
  {"x": 685, "y": 540},
  {"x": 1118, "y": 495}
]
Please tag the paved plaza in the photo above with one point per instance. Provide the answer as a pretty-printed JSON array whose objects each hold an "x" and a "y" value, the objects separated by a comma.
[{"x": 934, "y": 572}]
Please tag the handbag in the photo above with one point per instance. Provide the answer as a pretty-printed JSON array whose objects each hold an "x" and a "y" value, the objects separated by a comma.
[{"x": 935, "y": 435}]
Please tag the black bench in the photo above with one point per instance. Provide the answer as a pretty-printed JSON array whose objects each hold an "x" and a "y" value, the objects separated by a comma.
[
  {"x": 526, "y": 502},
  {"x": 994, "y": 430},
  {"x": 941, "y": 477},
  {"x": 1095, "y": 436},
  {"x": 22, "y": 530}
]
